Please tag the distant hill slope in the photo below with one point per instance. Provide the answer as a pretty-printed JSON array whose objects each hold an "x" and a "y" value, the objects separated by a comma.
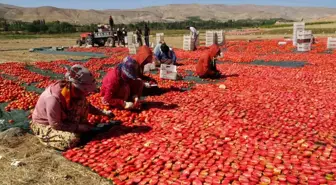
[{"x": 165, "y": 13}]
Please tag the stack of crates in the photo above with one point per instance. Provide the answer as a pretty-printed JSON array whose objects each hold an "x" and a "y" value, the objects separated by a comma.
[
  {"x": 133, "y": 49},
  {"x": 331, "y": 44},
  {"x": 188, "y": 45},
  {"x": 159, "y": 37},
  {"x": 210, "y": 38},
  {"x": 304, "y": 39},
  {"x": 220, "y": 37},
  {"x": 130, "y": 38},
  {"x": 297, "y": 26}
]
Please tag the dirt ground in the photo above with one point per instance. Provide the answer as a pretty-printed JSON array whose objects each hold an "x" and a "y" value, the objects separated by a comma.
[
  {"x": 42, "y": 166},
  {"x": 17, "y": 50}
]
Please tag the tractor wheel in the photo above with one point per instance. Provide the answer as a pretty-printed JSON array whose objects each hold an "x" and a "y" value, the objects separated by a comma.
[
  {"x": 100, "y": 42},
  {"x": 109, "y": 42}
]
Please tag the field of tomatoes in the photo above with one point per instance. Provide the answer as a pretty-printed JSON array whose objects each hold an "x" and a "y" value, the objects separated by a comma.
[{"x": 269, "y": 126}]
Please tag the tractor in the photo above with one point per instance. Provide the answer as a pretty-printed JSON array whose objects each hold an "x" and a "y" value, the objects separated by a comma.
[{"x": 100, "y": 37}]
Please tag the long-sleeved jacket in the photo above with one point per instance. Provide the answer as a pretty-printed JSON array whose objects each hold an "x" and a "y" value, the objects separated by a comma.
[
  {"x": 115, "y": 90},
  {"x": 51, "y": 110},
  {"x": 162, "y": 56}
]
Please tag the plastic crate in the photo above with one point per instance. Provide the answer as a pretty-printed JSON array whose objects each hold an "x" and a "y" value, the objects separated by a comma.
[
  {"x": 188, "y": 45},
  {"x": 168, "y": 72},
  {"x": 331, "y": 43},
  {"x": 303, "y": 47},
  {"x": 305, "y": 34},
  {"x": 159, "y": 37},
  {"x": 297, "y": 26},
  {"x": 130, "y": 38},
  {"x": 133, "y": 49},
  {"x": 210, "y": 38},
  {"x": 220, "y": 37}
]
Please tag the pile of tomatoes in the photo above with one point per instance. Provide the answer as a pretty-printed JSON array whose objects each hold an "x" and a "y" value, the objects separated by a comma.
[
  {"x": 27, "y": 101},
  {"x": 10, "y": 90},
  {"x": 19, "y": 71},
  {"x": 270, "y": 125}
]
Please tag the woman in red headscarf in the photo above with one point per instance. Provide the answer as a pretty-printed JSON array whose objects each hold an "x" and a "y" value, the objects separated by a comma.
[
  {"x": 206, "y": 66},
  {"x": 144, "y": 56}
]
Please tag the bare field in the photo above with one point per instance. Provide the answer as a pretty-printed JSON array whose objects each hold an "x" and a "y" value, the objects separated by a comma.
[
  {"x": 42, "y": 166},
  {"x": 17, "y": 50}
]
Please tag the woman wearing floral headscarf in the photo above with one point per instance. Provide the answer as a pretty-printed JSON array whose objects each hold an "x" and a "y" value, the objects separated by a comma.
[{"x": 60, "y": 115}]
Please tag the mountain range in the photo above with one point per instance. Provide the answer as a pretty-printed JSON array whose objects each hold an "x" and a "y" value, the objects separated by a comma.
[{"x": 166, "y": 13}]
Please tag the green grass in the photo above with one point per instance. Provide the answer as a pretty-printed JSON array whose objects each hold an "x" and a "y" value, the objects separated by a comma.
[
  {"x": 291, "y": 24},
  {"x": 35, "y": 36}
]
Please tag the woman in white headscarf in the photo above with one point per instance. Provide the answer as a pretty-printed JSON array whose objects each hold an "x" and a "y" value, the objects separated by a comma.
[{"x": 60, "y": 115}]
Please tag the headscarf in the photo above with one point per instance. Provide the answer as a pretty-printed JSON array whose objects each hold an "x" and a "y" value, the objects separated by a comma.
[
  {"x": 143, "y": 53},
  {"x": 81, "y": 78},
  {"x": 214, "y": 49},
  {"x": 129, "y": 67},
  {"x": 164, "y": 48}
]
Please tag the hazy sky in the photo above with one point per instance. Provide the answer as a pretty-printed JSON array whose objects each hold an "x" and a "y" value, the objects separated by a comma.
[{"x": 127, "y": 4}]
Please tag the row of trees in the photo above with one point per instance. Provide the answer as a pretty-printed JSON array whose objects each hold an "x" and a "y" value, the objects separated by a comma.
[
  {"x": 202, "y": 24},
  {"x": 40, "y": 26}
]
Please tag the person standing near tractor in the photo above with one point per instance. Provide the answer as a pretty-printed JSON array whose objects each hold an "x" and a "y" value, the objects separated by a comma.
[
  {"x": 124, "y": 34},
  {"x": 120, "y": 37},
  {"x": 147, "y": 33},
  {"x": 139, "y": 36},
  {"x": 111, "y": 22}
]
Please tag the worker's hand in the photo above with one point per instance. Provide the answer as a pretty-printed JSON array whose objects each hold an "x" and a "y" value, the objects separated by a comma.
[
  {"x": 137, "y": 103},
  {"x": 129, "y": 105},
  {"x": 156, "y": 62},
  {"x": 84, "y": 128},
  {"x": 147, "y": 84},
  {"x": 108, "y": 113}
]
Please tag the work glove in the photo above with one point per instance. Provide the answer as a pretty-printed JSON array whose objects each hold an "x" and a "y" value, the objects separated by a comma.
[
  {"x": 147, "y": 84},
  {"x": 129, "y": 105},
  {"x": 108, "y": 113},
  {"x": 137, "y": 102}
]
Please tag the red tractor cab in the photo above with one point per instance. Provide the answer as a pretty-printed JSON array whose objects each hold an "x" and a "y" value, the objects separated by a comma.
[{"x": 103, "y": 37}]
